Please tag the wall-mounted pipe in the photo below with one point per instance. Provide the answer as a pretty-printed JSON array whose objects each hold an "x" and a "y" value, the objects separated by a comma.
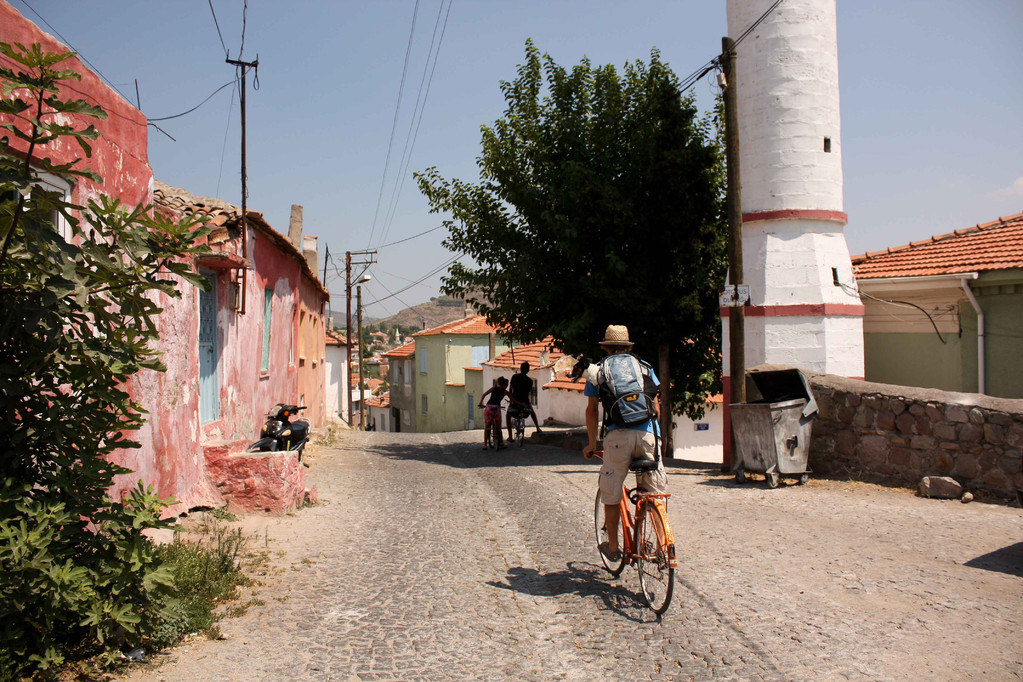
[{"x": 964, "y": 283}]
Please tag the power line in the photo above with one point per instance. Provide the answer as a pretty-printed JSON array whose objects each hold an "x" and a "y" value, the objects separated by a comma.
[
  {"x": 394, "y": 124},
  {"x": 421, "y": 279},
  {"x": 227, "y": 130},
  {"x": 77, "y": 52},
  {"x": 407, "y": 152},
  {"x": 185, "y": 113},
  {"x": 756, "y": 23},
  {"x": 217, "y": 24},
  {"x": 432, "y": 229}
]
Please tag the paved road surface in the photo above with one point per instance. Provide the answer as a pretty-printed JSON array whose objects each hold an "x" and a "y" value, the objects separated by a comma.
[{"x": 429, "y": 559}]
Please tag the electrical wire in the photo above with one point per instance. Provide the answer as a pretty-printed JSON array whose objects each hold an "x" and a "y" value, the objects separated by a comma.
[
  {"x": 245, "y": 12},
  {"x": 864, "y": 294},
  {"x": 185, "y": 113},
  {"x": 394, "y": 124},
  {"x": 216, "y": 23},
  {"x": 406, "y": 157},
  {"x": 78, "y": 53},
  {"x": 227, "y": 129},
  {"x": 756, "y": 23},
  {"x": 421, "y": 279},
  {"x": 432, "y": 229}
]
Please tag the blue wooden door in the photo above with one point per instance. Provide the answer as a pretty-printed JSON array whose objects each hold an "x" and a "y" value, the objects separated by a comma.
[{"x": 209, "y": 379}]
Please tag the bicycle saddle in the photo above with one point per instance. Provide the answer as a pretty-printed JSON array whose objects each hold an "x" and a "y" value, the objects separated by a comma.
[{"x": 642, "y": 466}]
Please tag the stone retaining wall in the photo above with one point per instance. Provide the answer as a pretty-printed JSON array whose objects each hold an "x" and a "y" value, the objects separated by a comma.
[{"x": 899, "y": 434}]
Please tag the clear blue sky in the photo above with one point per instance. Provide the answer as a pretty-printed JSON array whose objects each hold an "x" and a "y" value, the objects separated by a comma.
[{"x": 932, "y": 104}]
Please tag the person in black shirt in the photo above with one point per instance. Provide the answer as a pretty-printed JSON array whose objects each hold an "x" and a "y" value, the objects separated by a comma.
[{"x": 521, "y": 388}]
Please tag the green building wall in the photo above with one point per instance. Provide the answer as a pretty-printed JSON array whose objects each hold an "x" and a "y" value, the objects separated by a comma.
[
  {"x": 445, "y": 382},
  {"x": 921, "y": 359}
]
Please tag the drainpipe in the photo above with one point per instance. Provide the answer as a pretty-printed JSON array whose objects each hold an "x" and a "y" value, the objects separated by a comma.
[{"x": 980, "y": 331}]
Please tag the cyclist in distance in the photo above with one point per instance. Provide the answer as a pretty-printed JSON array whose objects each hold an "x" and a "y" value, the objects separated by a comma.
[
  {"x": 625, "y": 439},
  {"x": 492, "y": 411},
  {"x": 520, "y": 389}
]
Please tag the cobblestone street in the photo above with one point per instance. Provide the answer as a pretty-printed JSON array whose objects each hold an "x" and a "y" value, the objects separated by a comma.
[{"x": 428, "y": 558}]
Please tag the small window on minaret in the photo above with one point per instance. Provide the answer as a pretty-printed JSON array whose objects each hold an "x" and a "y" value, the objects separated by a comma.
[{"x": 827, "y": 145}]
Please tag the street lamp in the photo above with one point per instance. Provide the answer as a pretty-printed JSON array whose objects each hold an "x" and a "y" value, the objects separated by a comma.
[{"x": 348, "y": 332}]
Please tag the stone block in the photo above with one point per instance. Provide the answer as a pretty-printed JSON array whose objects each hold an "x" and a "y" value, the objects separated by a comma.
[
  {"x": 993, "y": 433},
  {"x": 934, "y": 413},
  {"x": 945, "y": 431},
  {"x": 853, "y": 399},
  {"x": 897, "y": 405},
  {"x": 1010, "y": 462},
  {"x": 901, "y": 457},
  {"x": 917, "y": 410},
  {"x": 874, "y": 402},
  {"x": 976, "y": 415},
  {"x": 905, "y": 423},
  {"x": 873, "y": 450},
  {"x": 999, "y": 418},
  {"x": 942, "y": 463},
  {"x": 997, "y": 479},
  {"x": 971, "y": 433},
  {"x": 823, "y": 444},
  {"x": 923, "y": 426},
  {"x": 846, "y": 442},
  {"x": 954, "y": 413},
  {"x": 987, "y": 459},
  {"x": 940, "y": 487},
  {"x": 950, "y": 446},
  {"x": 1015, "y": 435},
  {"x": 846, "y": 414},
  {"x": 966, "y": 466},
  {"x": 885, "y": 420},
  {"x": 923, "y": 442},
  {"x": 897, "y": 440},
  {"x": 864, "y": 417}
]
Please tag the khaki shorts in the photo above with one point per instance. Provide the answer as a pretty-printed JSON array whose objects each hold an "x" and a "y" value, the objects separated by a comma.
[{"x": 621, "y": 446}]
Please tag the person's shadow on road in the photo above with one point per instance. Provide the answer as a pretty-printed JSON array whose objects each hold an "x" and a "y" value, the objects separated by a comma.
[{"x": 582, "y": 579}]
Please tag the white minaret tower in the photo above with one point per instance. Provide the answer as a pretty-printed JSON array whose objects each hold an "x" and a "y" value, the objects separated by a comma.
[{"x": 793, "y": 242}]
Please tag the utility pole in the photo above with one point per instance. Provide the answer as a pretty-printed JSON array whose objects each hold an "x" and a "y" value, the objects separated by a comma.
[
  {"x": 362, "y": 394},
  {"x": 348, "y": 320},
  {"x": 244, "y": 67},
  {"x": 733, "y": 198}
]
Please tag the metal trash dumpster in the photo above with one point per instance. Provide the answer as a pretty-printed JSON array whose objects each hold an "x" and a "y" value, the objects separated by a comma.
[{"x": 772, "y": 428}]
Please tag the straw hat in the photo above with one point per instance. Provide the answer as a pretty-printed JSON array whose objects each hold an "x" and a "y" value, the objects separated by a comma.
[{"x": 616, "y": 335}]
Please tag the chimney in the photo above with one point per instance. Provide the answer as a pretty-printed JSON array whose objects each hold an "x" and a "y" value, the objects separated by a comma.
[
  {"x": 309, "y": 249},
  {"x": 295, "y": 228}
]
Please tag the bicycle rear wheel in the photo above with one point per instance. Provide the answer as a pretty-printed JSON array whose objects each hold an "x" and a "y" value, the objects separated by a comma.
[
  {"x": 614, "y": 567},
  {"x": 656, "y": 576}
]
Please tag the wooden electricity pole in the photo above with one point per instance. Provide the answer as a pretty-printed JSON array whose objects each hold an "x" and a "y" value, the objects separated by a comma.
[
  {"x": 243, "y": 68},
  {"x": 733, "y": 198}
]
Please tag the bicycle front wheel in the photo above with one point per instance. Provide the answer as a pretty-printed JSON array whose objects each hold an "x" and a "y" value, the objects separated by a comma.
[
  {"x": 656, "y": 575},
  {"x": 614, "y": 567}
]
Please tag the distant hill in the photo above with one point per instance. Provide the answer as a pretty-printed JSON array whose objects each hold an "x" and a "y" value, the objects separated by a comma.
[{"x": 435, "y": 312}]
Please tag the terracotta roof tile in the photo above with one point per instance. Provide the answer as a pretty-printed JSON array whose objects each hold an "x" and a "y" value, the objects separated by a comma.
[
  {"x": 382, "y": 400},
  {"x": 529, "y": 352},
  {"x": 401, "y": 351},
  {"x": 475, "y": 324},
  {"x": 561, "y": 380},
  {"x": 997, "y": 245}
]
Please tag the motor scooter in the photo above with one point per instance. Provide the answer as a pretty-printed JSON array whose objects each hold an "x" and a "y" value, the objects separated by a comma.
[{"x": 280, "y": 433}]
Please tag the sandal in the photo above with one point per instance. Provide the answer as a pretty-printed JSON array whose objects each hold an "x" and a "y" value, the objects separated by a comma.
[{"x": 611, "y": 556}]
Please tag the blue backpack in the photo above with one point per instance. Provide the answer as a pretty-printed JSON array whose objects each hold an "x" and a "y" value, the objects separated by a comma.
[{"x": 626, "y": 389}]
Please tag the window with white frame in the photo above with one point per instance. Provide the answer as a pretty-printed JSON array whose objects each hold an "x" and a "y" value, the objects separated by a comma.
[
  {"x": 422, "y": 362},
  {"x": 423, "y": 401}
]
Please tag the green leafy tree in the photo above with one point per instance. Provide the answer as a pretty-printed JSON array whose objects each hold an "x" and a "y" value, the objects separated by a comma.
[
  {"x": 600, "y": 201},
  {"x": 77, "y": 574}
]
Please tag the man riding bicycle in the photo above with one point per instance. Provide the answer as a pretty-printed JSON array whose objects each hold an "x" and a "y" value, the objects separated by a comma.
[
  {"x": 628, "y": 435},
  {"x": 520, "y": 389}
]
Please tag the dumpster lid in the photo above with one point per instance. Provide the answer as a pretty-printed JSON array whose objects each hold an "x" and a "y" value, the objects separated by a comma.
[{"x": 776, "y": 385}]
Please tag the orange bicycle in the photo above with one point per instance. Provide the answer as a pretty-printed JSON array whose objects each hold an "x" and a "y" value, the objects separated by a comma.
[{"x": 645, "y": 539}]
